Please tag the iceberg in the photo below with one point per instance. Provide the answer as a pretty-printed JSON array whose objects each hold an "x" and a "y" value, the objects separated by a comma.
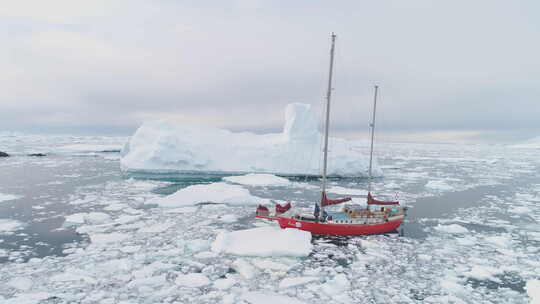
[{"x": 165, "y": 146}]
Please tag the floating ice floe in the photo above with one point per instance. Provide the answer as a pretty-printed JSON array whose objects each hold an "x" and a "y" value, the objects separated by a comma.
[
  {"x": 439, "y": 186},
  {"x": 264, "y": 242},
  {"x": 8, "y": 225},
  {"x": 452, "y": 228},
  {"x": 8, "y": 197},
  {"x": 219, "y": 193},
  {"x": 258, "y": 179},
  {"x": 167, "y": 146}
]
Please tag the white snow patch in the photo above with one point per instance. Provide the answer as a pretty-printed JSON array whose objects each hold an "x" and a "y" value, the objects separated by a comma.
[
  {"x": 452, "y": 228},
  {"x": 264, "y": 242},
  {"x": 164, "y": 146},
  {"x": 192, "y": 280},
  {"x": 219, "y": 193},
  {"x": 254, "y": 179}
]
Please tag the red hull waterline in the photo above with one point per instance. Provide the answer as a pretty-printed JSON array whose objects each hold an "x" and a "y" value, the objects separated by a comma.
[{"x": 337, "y": 229}]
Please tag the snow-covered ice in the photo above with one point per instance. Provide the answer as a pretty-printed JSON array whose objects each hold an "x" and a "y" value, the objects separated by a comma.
[
  {"x": 166, "y": 146},
  {"x": 258, "y": 179},
  {"x": 264, "y": 242},
  {"x": 219, "y": 193}
]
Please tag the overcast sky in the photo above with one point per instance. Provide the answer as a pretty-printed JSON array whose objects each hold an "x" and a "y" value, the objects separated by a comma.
[{"x": 448, "y": 70}]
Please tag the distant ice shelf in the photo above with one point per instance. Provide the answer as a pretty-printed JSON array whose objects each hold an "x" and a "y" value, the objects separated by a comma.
[{"x": 163, "y": 146}]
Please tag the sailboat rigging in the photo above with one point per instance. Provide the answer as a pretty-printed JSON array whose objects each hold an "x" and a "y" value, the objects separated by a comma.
[{"x": 352, "y": 219}]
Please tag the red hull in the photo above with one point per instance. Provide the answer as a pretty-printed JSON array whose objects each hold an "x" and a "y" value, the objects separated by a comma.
[{"x": 337, "y": 229}]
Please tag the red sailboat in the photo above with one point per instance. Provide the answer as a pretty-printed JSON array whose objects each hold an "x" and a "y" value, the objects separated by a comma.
[{"x": 352, "y": 219}]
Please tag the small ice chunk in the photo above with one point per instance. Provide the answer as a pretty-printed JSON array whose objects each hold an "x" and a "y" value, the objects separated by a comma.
[
  {"x": 20, "y": 283},
  {"x": 264, "y": 242},
  {"x": 533, "y": 291},
  {"x": 192, "y": 280},
  {"x": 499, "y": 241},
  {"x": 116, "y": 207},
  {"x": 198, "y": 245},
  {"x": 339, "y": 284},
  {"x": 228, "y": 218},
  {"x": 254, "y": 179},
  {"x": 256, "y": 297},
  {"x": 224, "y": 284},
  {"x": 206, "y": 255},
  {"x": 292, "y": 282},
  {"x": 452, "y": 228},
  {"x": 130, "y": 249},
  {"x": 480, "y": 272},
  {"x": 439, "y": 186},
  {"x": 8, "y": 197},
  {"x": 269, "y": 264},
  {"x": 77, "y": 218},
  {"x": 244, "y": 268},
  {"x": 220, "y": 193},
  {"x": 104, "y": 238},
  {"x": 97, "y": 218},
  {"x": 9, "y": 225},
  {"x": 156, "y": 228}
]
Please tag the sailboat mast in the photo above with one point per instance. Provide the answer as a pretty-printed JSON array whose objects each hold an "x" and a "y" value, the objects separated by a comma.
[
  {"x": 327, "y": 123},
  {"x": 372, "y": 125}
]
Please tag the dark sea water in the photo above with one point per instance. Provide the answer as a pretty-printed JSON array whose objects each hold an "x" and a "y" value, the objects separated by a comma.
[{"x": 471, "y": 235}]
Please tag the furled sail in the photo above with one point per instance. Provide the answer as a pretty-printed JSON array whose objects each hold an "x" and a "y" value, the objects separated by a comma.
[
  {"x": 327, "y": 202},
  {"x": 372, "y": 201}
]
